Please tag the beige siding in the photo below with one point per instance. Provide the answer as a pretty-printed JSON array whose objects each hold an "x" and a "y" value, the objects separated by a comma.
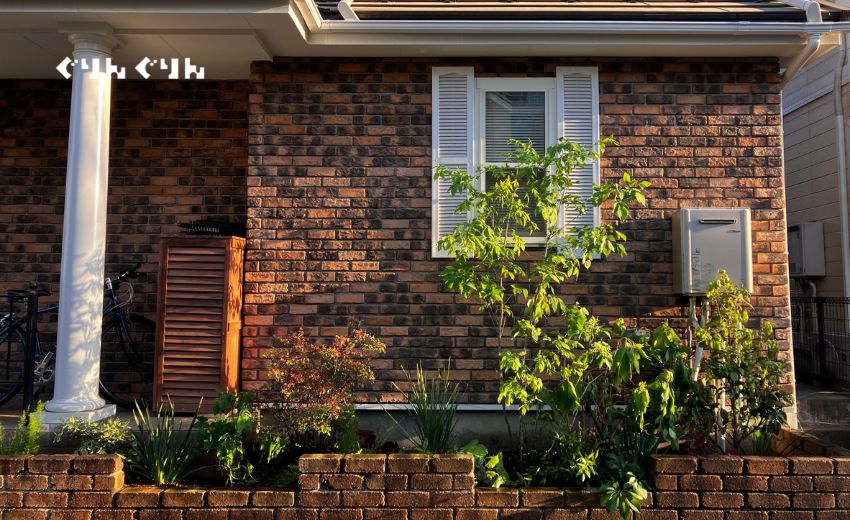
[
  {"x": 812, "y": 82},
  {"x": 811, "y": 180}
]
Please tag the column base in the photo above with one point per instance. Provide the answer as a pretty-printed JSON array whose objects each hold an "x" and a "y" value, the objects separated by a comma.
[{"x": 52, "y": 419}]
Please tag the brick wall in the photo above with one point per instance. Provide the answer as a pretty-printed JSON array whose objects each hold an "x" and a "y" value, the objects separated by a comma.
[
  {"x": 339, "y": 200},
  {"x": 422, "y": 487},
  {"x": 178, "y": 153}
]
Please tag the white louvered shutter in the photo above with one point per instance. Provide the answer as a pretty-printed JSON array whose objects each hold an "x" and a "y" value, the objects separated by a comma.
[
  {"x": 452, "y": 112},
  {"x": 578, "y": 121}
]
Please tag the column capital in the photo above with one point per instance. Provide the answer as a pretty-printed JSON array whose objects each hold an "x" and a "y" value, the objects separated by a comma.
[{"x": 95, "y": 38}]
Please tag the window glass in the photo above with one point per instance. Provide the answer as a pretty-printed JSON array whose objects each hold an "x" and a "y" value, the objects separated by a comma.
[{"x": 517, "y": 115}]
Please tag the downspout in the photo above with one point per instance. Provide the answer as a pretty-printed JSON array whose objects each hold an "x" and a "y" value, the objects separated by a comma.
[
  {"x": 841, "y": 143},
  {"x": 344, "y": 8},
  {"x": 813, "y": 15},
  {"x": 812, "y": 45},
  {"x": 811, "y": 8}
]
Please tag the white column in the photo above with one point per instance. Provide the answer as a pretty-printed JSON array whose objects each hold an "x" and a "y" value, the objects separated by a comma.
[{"x": 84, "y": 235}]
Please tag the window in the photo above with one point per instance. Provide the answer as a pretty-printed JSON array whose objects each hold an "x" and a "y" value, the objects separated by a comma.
[
  {"x": 473, "y": 118},
  {"x": 518, "y": 108}
]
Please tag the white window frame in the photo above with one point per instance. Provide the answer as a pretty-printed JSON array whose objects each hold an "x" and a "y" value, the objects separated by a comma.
[
  {"x": 546, "y": 85},
  {"x": 571, "y": 85}
]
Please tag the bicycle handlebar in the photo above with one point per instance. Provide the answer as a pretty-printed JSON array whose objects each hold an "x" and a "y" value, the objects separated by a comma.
[{"x": 131, "y": 273}]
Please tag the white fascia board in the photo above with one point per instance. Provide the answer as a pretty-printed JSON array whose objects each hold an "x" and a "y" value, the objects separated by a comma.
[
  {"x": 145, "y": 6},
  {"x": 502, "y": 27},
  {"x": 612, "y": 38}
]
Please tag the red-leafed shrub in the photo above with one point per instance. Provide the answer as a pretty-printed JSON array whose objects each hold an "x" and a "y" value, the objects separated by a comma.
[{"x": 314, "y": 384}]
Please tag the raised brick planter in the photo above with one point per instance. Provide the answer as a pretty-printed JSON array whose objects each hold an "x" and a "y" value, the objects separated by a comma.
[{"x": 422, "y": 487}]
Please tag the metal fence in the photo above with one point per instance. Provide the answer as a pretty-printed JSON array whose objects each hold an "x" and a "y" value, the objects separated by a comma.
[{"x": 821, "y": 338}]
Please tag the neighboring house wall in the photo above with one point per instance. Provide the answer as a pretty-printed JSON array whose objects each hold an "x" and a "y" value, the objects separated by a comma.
[
  {"x": 811, "y": 164},
  {"x": 811, "y": 178},
  {"x": 339, "y": 198},
  {"x": 178, "y": 153}
]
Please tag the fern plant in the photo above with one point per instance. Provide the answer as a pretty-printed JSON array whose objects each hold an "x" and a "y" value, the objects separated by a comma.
[{"x": 25, "y": 440}]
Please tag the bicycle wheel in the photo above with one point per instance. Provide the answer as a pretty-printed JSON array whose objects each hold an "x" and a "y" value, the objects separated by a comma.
[
  {"x": 127, "y": 351},
  {"x": 12, "y": 344}
]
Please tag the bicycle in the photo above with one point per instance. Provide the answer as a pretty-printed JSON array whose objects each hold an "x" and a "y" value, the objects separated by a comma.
[{"x": 126, "y": 335}]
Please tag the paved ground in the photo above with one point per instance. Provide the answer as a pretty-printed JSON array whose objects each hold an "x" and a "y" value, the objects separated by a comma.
[{"x": 825, "y": 413}]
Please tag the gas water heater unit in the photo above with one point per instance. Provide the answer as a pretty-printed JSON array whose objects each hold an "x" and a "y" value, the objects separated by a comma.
[{"x": 706, "y": 240}]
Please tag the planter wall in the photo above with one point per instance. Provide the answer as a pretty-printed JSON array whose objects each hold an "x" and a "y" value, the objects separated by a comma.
[{"x": 421, "y": 487}]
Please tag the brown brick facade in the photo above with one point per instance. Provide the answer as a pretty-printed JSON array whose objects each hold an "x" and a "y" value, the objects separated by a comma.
[{"x": 339, "y": 198}]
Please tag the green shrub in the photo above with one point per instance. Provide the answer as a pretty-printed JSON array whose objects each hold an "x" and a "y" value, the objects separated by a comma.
[
  {"x": 742, "y": 371},
  {"x": 112, "y": 436},
  {"x": 346, "y": 435},
  {"x": 25, "y": 440},
  {"x": 608, "y": 397},
  {"x": 489, "y": 469},
  {"x": 434, "y": 403},
  {"x": 234, "y": 433},
  {"x": 157, "y": 455}
]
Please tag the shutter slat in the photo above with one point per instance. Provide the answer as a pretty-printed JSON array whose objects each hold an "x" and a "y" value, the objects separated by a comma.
[
  {"x": 452, "y": 91},
  {"x": 578, "y": 107}
]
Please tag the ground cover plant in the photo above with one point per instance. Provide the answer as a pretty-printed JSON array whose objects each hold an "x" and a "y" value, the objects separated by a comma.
[{"x": 112, "y": 436}]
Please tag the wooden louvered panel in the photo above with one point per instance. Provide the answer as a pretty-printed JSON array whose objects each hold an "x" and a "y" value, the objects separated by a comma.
[
  {"x": 194, "y": 296},
  {"x": 205, "y": 278},
  {"x": 200, "y": 301},
  {"x": 192, "y": 360},
  {"x": 196, "y": 368},
  {"x": 194, "y": 311},
  {"x": 186, "y": 312},
  {"x": 199, "y": 351},
  {"x": 202, "y": 275}
]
